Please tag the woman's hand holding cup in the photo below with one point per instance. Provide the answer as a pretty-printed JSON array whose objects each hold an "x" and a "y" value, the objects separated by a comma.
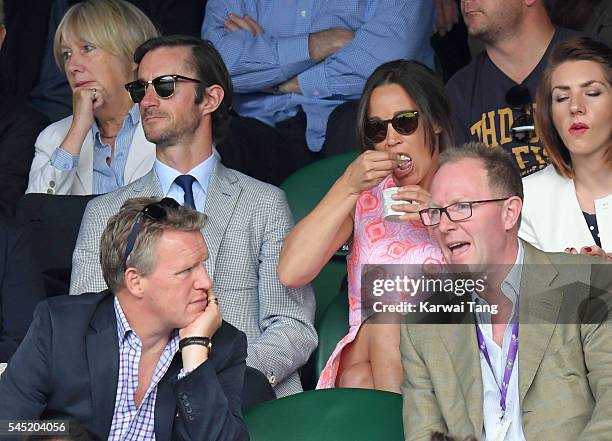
[{"x": 410, "y": 199}]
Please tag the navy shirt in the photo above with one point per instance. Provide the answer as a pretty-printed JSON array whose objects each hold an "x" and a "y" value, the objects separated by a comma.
[{"x": 478, "y": 97}]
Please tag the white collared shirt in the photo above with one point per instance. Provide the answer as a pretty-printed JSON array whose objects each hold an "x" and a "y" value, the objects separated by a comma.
[{"x": 491, "y": 381}]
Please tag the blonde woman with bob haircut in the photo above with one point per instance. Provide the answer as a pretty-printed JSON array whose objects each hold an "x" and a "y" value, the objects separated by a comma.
[
  {"x": 101, "y": 146},
  {"x": 568, "y": 206}
]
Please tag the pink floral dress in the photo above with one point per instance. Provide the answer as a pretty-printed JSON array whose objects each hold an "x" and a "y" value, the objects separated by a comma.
[{"x": 380, "y": 242}]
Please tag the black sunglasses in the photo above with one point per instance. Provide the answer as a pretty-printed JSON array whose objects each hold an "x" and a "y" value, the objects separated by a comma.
[
  {"x": 519, "y": 99},
  {"x": 164, "y": 86},
  {"x": 405, "y": 123},
  {"x": 155, "y": 212}
]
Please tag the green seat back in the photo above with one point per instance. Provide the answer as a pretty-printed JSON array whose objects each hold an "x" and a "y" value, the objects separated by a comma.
[
  {"x": 328, "y": 415},
  {"x": 307, "y": 186},
  {"x": 327, "y": 284},
  {"x": 304, "y": 189},
  {"x": 332, "y": 327}
]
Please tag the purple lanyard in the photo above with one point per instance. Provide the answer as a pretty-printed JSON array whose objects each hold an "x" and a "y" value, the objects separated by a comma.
[{"x": 512, "y": 350}]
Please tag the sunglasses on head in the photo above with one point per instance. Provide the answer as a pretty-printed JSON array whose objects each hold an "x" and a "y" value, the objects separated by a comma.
[
  {"x": 164, "y": 86},
  {"x": 519, "y": 99},
  {"x": 155, "y": 212},
  {"x": 404, "y": 123}
]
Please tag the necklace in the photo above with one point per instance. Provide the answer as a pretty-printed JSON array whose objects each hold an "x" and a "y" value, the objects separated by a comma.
[{"x": 108, "y": 137}]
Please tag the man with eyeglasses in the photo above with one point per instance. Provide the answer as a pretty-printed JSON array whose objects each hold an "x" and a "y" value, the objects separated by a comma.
[
  {"x": 150, "y": 358},
  {"x": 492, "y": 97},
  {"x": 185, "y": 93},
  {"x": 540, "y": 367}
]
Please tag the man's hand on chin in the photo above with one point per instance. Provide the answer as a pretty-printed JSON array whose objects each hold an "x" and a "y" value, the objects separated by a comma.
[{"x": 205, "y": 325}]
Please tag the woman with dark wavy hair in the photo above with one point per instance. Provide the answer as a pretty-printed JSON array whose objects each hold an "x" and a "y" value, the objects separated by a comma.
[
  {"x": 403, "y": 124},
  {"x": 568, "y": 206}
]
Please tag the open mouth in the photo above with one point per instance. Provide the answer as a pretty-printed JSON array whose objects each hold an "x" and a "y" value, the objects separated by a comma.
[
  {"x": 458, "y": 248},
  {"x": 405, "y": 162},
  {"x": 404, "y": 167}
]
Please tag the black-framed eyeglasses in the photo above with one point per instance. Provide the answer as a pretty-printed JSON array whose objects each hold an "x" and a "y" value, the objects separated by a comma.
[
  {"x": 155, "y": 212},
  {"x": 456, "y": 212},
  {"x": 405, "y": 123},
  {"x": 164, "y": 86},
  {"x": 519, "y": 99}
]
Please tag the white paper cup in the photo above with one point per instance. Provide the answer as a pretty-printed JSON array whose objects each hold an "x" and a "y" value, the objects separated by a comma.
[{"x": 391, "y": 215}]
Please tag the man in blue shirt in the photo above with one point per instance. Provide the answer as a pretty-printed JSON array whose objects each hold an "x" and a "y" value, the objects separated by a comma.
[{"x": 293, "y": 63}]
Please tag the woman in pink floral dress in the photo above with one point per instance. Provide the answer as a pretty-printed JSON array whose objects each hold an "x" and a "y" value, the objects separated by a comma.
[{"x": 403, "y": 123}]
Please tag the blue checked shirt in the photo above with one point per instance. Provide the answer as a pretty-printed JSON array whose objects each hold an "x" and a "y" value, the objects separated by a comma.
[
  {"x": 131, "y": 423},
  {"x": 385, "y": 30},
  {"x": 106, "y": 178}
]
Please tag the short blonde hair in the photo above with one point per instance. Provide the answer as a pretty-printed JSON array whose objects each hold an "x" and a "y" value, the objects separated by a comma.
[
  {"x": 113, "y": 25},
  {"x": 142, "y": 257}
]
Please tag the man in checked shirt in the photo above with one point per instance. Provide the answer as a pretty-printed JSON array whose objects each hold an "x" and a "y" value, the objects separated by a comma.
[{"x": 149, "y": 359}]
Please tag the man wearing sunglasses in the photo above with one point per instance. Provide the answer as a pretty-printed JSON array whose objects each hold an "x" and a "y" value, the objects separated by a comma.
[
  {"x": 184, "y": 92},
  {"x": 492, "y": 97},
  {"x": 148, "y": 359},
  {"x": 540, "y": 367}
]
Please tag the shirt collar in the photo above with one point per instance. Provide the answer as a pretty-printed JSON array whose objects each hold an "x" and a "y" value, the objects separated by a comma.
[
  {"x": 123, "y": 326},
  {"x": 134, "y": 114},
  {"x": 132, "y": 118},
  {"x": 202, "y": 172},
  {"x": 510, "y": 286}
]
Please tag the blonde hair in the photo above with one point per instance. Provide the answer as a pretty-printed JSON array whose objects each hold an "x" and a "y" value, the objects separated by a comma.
[
  {"x": 117, "y": 232},
  {"x": 113, "y": 25}
]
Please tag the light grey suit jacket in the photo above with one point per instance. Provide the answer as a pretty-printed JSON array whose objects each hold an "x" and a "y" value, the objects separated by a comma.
[
  {"x": 565, "y": 369},
  {"x": 248, "y": 222}
]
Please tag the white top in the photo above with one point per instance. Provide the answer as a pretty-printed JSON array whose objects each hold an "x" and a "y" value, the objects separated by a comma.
[
  {"x": 552, "y": 217},
  {"x": 491, "y": 381}
]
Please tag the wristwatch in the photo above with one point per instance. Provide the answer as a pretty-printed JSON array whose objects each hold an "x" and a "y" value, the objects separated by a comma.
[{"x": 202, "y": 341}]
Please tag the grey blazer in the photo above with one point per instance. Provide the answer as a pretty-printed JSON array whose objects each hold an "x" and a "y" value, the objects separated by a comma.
[{"x": 248, "y": 222}]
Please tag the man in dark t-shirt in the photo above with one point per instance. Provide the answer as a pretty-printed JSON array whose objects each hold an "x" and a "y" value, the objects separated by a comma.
[{"x": 492, "y": 97}]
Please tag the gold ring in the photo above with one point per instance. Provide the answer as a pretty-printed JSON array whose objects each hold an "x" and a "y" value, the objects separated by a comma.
[{"x": 214, "y": 300}]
